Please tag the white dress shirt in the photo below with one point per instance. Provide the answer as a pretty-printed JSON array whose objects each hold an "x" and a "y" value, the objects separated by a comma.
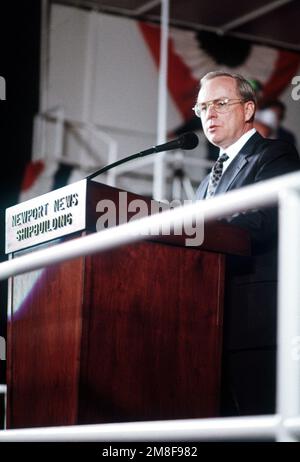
[{"x": 233, "y": 150}]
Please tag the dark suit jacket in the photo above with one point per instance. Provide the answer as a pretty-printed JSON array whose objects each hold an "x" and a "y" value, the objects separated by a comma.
[
  {"x": 259, "y": 159},
  {"x": 248, "y": 378}
]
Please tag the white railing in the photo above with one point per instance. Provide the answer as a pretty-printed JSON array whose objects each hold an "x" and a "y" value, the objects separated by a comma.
[
  {"x": 285, "y": 425},
  {"x": 264, "y": 193},
  {"x": 56, "y": 115},
  {"x": 3, "y": 389},
  {"x": 259, "y": 428}
]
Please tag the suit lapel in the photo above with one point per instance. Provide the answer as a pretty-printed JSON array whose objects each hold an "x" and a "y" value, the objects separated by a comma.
[
  {"x": 238, "y": 163},
  {"x": 201, "y": 191},
  {"x": 231, "y": 173},
  {"x": 234, "y": 168}
]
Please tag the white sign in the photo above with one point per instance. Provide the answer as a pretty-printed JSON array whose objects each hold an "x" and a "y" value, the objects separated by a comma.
[{"x": 46, "y": 217}]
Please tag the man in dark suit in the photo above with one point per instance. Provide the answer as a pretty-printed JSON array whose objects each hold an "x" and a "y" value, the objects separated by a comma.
[{"x": 226, "y": 105}]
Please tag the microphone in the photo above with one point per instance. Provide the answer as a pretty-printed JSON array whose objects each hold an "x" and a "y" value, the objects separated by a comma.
[{"x": 186, "y": 141}]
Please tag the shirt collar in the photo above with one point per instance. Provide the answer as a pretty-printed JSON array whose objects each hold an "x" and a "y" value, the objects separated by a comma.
[{"x": 235, "y": 148}]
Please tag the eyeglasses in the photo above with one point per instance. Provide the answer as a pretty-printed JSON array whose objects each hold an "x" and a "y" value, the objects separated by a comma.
[{"x": 219, "y": 105}]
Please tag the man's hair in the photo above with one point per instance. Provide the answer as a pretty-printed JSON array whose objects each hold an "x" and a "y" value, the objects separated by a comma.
[{"x": 243, "y": 86}]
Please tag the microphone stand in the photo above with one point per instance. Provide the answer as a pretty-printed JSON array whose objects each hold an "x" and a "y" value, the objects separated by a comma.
[
  {"x": 186, "y": 141},
  {"x": 180, "y": 181},
  {"x": 122, "y": 161}
]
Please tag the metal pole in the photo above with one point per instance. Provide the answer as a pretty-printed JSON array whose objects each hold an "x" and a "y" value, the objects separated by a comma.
[
  {"x": 288, "y": 357},
  {"x": 44, "y": 55},
  {"x": 159, "y": 163},
  {"x": 40, "y": 129}
]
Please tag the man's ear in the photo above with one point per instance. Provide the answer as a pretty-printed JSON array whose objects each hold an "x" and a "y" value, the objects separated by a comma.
[{"x": 249, "y": 110}]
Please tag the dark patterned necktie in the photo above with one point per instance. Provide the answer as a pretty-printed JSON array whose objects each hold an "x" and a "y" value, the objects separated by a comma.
[{"x": 215, "y": 175}]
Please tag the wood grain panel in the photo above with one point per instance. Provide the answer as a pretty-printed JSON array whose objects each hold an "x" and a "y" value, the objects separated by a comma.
[
  {"x": 152, "y": 336},
  {"x": 44, "y": 339},
  {"x": 130, "y": 334}
]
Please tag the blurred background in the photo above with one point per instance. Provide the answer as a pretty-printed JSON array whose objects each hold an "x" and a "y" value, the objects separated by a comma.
[{"x": 84, "y": 86}]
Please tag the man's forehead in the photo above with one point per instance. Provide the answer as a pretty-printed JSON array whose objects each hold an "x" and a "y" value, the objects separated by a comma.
[{"x": 218, "y": 87}]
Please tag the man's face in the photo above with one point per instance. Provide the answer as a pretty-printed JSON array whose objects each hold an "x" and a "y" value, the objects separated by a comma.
[{"x": 222, "y": 130}]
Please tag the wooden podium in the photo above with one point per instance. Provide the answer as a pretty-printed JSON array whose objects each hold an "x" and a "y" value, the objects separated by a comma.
[{"x": 126, "y": 335}]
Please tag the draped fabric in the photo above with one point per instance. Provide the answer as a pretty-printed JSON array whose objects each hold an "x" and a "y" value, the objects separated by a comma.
[{"x": 193, "y": 54}]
